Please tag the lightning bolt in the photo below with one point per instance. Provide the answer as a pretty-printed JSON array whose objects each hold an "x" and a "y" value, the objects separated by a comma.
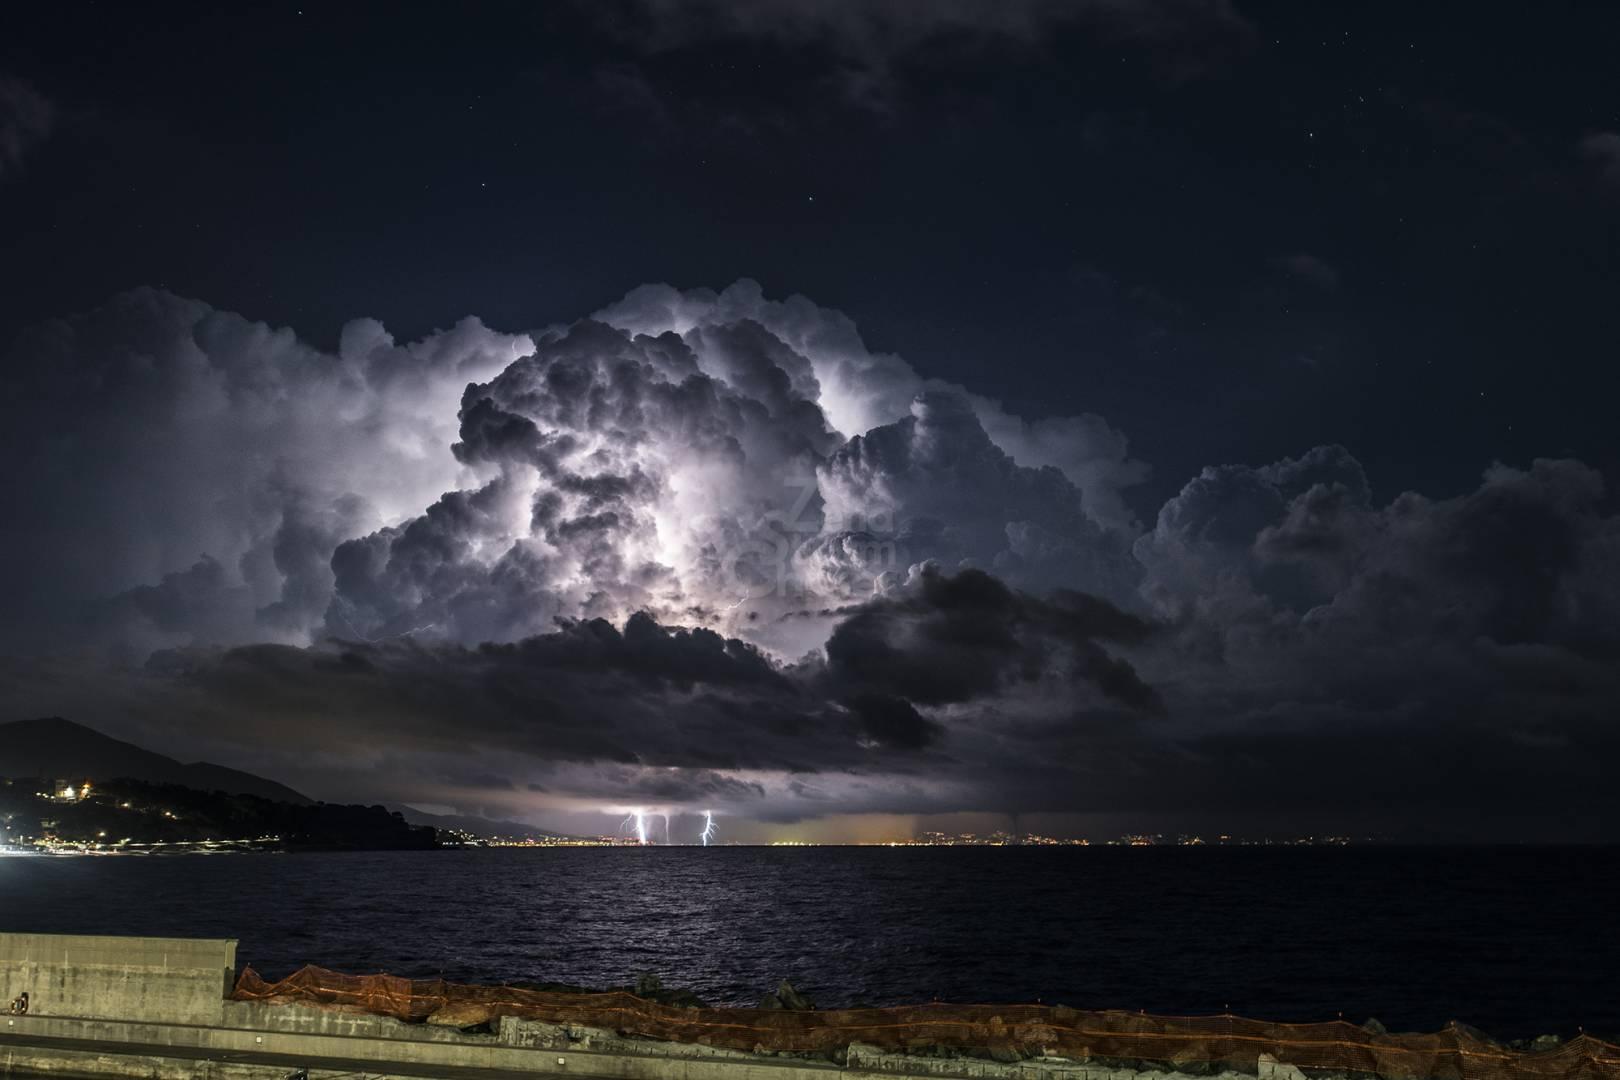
[
  {"x": 638, "y": 820},
  {"x": 343, "y": 608},
  {"x": 709, "y": 830}
]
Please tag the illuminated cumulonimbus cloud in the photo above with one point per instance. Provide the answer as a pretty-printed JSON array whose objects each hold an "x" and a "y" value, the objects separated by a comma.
[
  {"x": 715, "y": 459},
  {"x": 721, "y": 460},
  {"x": 707, "y": 550}
]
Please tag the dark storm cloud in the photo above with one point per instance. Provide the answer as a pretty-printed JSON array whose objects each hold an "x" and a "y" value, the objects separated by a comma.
[
  {"x": 26, "y": 119},
  {"x": 646, "y": 715},
  {"x": 1525, "y": 558},
  {"x": 706, "y": 550},
  {"x": 588, "y": 692},
  {"x": 940, "y": 640},
  {"x": 934, "y": 485},
  {"x": 869, "y": 43},
  {"x": 677, "y": 787},
  {"x": 1469, "y": 643},
  {"x": 201, "y": 467},
  {"x": 892, "y": 721},
  {"x": 672, "y": 697}
]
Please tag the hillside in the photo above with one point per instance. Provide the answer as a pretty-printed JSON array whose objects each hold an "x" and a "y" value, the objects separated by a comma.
[
  {"x": 123, "y": 814},
  {"x": 477, "y": 826},
  {"x": 54, "y": 748}
]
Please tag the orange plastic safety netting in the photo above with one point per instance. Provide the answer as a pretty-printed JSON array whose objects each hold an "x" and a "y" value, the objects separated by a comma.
[{"x": 1191, "y": 1043}]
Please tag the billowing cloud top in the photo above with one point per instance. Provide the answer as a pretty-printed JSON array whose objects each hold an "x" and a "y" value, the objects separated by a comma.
[{"x": 708, "y": 550}]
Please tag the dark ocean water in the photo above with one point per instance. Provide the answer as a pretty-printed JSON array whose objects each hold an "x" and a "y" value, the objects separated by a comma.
[{"x": 1515, "y": 941}]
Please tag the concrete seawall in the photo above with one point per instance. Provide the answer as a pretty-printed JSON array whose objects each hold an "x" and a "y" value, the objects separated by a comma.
[
  {"x": 157, "y": 1009},
  {"x": 177, "y": 980}
]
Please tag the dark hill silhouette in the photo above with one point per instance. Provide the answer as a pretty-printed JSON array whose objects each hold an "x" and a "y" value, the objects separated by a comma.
[
  {"x": 478, "y": 826},
  {"x": 56, "y": 749}
]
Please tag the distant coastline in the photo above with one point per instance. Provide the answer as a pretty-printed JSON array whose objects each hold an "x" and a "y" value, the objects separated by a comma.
[{"x": 60, "y": 816}]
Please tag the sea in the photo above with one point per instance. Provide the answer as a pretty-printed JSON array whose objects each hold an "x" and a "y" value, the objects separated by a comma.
[{"x": 1517, "y": 941}]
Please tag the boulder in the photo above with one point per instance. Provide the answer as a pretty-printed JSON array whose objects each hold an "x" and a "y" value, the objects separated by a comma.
[
  {"x": 652, "y": 988},
  {"x": 460, "y": 1014},
  {"x": 787, "y": 998}
]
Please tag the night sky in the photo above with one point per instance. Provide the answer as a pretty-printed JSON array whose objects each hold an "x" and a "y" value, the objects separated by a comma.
[{"x": 844, "y": 417}]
